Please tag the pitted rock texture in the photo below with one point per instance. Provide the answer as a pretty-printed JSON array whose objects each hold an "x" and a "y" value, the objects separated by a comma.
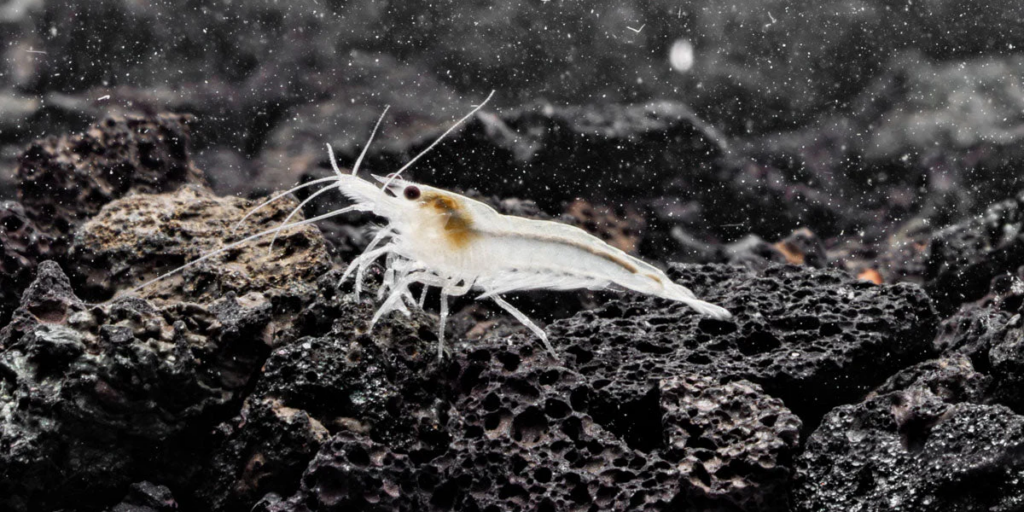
[
  {"x": 521, "y": 438},
  {"x": 115, "y": 392},
  {"x": 952, "y": 378},
  {"x": 912, "y": 451},
  {"x": 383, "y": 384},
  {"x": 137, "y": 238},
  {"x": 795, "y": 331},
  {"x": 62, "y": 182},
  {"x": 22, "y": 247},
  {"x": 989, "y": 332},
  {"x": 964, "y": 257}
]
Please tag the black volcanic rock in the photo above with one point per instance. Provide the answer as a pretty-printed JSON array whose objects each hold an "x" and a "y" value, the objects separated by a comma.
[
  {"x": 796, "y": 332},
  {"x": 964, "y": 257},
  {"x": 137, "y": 238},
  {"x": 22, "y": 247},
  {"x": 62, "y": 182},
  {"x": 116, "y": 391},
  {"x": 147, "y": 497},
  {"x": 952, "y": 378},
  {"x": 383, "y": 384},
  {"x": 912, "y": 450},
  {"x": 521, "y": 437}
]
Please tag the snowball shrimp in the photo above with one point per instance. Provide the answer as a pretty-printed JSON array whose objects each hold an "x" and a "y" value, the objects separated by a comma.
[{"x": 437, "y": 238}]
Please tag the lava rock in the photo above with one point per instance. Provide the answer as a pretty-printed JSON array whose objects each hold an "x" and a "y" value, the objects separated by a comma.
[
  {"x": 382, "y": 385},
  {"x": 953, "y": 379},
  {"x": 813, "y": 338},
  {"x": 62, "y": 182},
  {"x": 22, "y": 247},
  {"x": 521, "y": 437},
  {"x": 963, "y": 258},
  {"x": 912, "y": 450},
  {"x": 754, "y": 252},
  {"x": 140, "y": 237},
  {"x": 110, "y": 393}
]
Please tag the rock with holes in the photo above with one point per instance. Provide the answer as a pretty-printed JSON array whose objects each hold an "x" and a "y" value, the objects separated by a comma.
[
  {"x": 383, "y": 385},
  {"x": 107, "y": 393},
  {"x": 963, "y": 258},
  {"x": 989, "y": 332},
  {"x": 912, "y": 450},
  {"x": 137, "y": 238},
  {"x": 814, "y": 338},
  {"x": 62, "y": 182},
  {"x": 519, "y": 435},
  {"x": 22, "y": 247},
  {"x": 951, "y": 378}
]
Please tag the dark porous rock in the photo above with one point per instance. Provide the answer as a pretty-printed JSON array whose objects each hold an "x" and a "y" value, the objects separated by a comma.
[
  {"x": 137, "y": 238},
  {"x": 264, "y": 450},
  {"x": 735, "y": 440},
  {"x": 978, "y": 326},
  {"x": 963, "y": 258},
  {"x": 1006, "y": 358},
  {"x": 972, "y": 332},
  {"x": 116, "y": 392},
  {"x": 521, "y": 438},
  {"x": 340, "y": 377},
  {"x": 952, "y": 378},
  {"x": 48, "y": 300},
  {"x": 803, "y": 247},
  {"x": 989, "y": 332},
  {"x": 62, "y": 182},
  {"x": 147, "y": 497},
  {"x": 813, "y": 338},
  {"x": 912, "y": 450},
  {"x": 22, "y": 247}
]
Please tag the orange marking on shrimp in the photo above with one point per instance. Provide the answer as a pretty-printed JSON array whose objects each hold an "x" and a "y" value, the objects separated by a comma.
[{"x": 458, "y": 225}]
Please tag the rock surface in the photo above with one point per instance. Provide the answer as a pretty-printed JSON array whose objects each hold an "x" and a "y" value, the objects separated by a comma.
[
  {"x": 520, "y": 434},
  {"x": 64, "y": 181},
  {"x": 22, "y": 247},
  {"x": 795, "y": 332},
  {"x": 913, "y": 450},
  {"x": 102, "y": 391}
]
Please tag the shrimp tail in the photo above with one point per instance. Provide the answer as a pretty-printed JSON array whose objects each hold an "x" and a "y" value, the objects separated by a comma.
[{"x": 682, "y": 294}]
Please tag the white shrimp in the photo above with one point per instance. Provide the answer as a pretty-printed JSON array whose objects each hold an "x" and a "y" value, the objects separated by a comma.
[{"x": 438, "y": 238}]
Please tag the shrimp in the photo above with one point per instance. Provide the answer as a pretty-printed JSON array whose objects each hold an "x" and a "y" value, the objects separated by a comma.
[{"x": 437, "y": 238}]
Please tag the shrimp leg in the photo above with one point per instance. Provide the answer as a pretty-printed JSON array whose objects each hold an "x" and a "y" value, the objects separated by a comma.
[
  {"x": 440, "y": 329},
  {"x": 400, "y": 288},
  {"x": 523, "y": 319},
  {"x": 359, "y": 265}
]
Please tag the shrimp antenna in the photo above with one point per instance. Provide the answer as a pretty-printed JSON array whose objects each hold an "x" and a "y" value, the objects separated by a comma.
[
  {"x": 334, "y": 164},
  {"x": 279, "y": 196},
  {"x": 395, "y": 174},
  {"x": 231, "y": 246},
  {"x": 355, "y": 168}
]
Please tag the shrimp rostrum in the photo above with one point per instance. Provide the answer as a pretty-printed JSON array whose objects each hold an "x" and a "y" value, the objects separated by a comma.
[{"x": 437, "y": 238}]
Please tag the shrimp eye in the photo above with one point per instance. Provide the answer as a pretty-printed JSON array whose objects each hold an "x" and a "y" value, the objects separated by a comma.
[{"x": 411, "y": 193}]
